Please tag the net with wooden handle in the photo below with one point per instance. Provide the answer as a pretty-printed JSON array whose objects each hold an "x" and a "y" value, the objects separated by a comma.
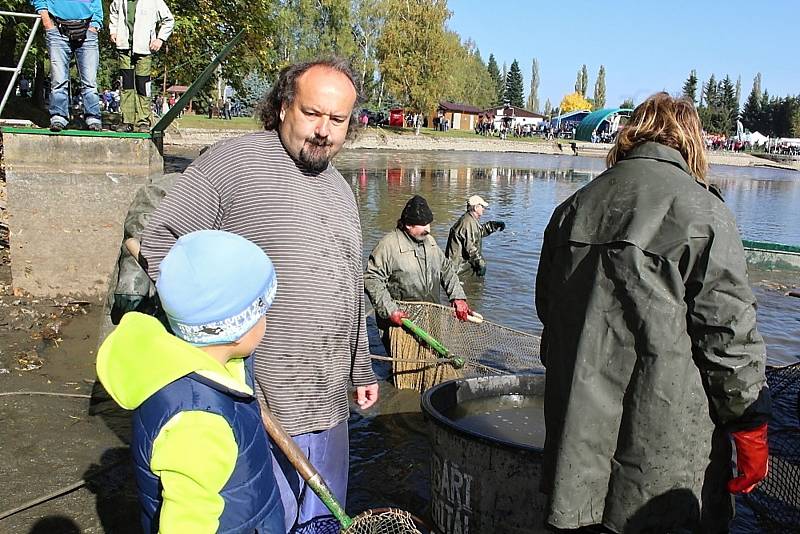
[{"x": 379, "y": 521}]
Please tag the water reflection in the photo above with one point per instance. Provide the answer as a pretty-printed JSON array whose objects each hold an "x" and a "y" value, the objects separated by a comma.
[{"x": 523, "y": 190}]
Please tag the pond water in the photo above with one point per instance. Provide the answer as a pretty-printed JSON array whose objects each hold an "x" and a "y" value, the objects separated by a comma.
[
  {"x": 389, "y": 451},
  {"x": 523, "y": 190}
]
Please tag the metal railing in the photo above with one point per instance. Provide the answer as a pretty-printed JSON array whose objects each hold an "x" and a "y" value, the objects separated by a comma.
[{"x": 16, "y": 70}]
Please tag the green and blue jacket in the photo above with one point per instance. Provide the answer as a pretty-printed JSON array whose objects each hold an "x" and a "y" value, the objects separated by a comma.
[{"x": 201, "y": 455}]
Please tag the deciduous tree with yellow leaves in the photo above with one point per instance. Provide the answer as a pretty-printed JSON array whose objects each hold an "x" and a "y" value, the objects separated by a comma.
[{"x": 574, "y": 102}]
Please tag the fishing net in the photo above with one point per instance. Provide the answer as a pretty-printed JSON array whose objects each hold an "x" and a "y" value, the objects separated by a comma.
[
  {"x": 377, "y": 521},
  {"x": 384, "y": 521},
  {"x": 776, "y": 500},
  {"x": 487, "y": 348}
]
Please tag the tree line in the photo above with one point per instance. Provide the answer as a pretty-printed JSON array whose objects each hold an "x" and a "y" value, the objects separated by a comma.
[
  {"x": 401, "y": 50},
  {"x": 718, "y": 104}
]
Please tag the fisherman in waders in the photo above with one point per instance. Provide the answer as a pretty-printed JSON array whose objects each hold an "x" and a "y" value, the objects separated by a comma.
[
  {"x": 653, "y": 358},
  {"x": 407, "y": 264},
  {"x": 465, "y": 242}
]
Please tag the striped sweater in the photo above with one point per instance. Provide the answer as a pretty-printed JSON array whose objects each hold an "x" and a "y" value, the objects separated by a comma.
[{"x": 316, "y": 341}]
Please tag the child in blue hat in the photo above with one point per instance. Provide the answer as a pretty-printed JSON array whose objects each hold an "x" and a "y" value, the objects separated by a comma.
[{"x": 201, "y": 455}]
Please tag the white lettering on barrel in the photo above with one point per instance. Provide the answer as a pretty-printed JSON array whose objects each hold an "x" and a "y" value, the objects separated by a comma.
[{"x": 453, "y": 488}]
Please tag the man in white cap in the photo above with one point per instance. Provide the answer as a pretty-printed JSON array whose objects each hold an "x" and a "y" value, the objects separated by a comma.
[{"x": 465, "y": 243}]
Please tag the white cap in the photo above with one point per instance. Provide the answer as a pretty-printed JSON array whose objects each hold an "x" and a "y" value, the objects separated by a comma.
[{"x": 475, "y": 200}]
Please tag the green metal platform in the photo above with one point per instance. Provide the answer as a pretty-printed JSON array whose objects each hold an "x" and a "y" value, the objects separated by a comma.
[{"x": 77, "y": 133}]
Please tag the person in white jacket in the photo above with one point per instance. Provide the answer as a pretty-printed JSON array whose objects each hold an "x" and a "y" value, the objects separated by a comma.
[{"x": 138, "y": 28}]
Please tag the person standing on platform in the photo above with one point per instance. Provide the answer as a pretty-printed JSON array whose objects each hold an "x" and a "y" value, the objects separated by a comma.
[
  {"x": 71, "y": 30},
  {"x": 138, "y": 28},
  {"x": 465, "y": 242},
  {"x": 654, "y": 361}
]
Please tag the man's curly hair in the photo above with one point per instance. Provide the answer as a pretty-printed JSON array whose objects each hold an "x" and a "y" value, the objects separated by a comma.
[{"x": 284, "y": 91}]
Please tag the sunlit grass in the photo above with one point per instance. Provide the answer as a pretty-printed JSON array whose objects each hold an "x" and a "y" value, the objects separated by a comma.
[{"x": 202, "y": 121}]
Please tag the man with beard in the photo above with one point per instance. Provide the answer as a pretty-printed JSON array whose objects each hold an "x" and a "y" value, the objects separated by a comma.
[
  {"x": 278, "y": 189},
  {"x": 407, "y": 264}
]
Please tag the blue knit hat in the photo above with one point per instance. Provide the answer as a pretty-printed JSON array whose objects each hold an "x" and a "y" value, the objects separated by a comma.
[{"x": 214, "y": 286}]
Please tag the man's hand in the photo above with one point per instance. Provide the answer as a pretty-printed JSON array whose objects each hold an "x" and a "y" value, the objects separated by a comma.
[
  {"x": 495, "y": 226},
  {"x": 366, "y": 396},
  {"x": 462, "y": 309},
  {"x": 47, "y": 22},
  {"x": 93, "y": 29},
  {"x": 155, "y": 44},
  {"x": 397, "y": 316},
  {"x": 113, "y": 38},
  {"x": 752, "y": 458}
]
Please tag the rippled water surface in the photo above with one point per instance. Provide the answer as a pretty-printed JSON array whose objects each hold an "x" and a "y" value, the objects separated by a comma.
[{"x": 523, "y": 190}]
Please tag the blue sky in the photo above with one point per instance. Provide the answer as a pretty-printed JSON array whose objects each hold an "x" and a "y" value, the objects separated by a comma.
[{"x": 646, "y": 46}]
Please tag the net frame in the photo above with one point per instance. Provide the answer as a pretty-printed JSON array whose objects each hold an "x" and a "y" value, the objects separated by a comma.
[
  {"x": 487, "y": 348},
  {"x": 386, "y": 521},
  {"x": 776, "y": 500}
]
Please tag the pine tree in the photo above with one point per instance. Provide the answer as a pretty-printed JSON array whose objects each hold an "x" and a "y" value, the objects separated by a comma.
[
  {"x": 515, "y": 92},
  {"x": 709, "y": 113},
  {"x": 690, "y": 87},
  {"x": 494, "y": 72},
  {"x": 600, "y": 89},
  {"x": 503, "y": 95},
  {"x": 710, "y": 91},
  {"x": 579, "y": 81},
  {"x": 765, "y": 122},
  {"x": 548, "y": 108},
  {"x": 728, "y": 107},
  {"x": 751, "y": 114},
  {"x": 533, "y": 97},
  {"x": 628, "y": 104}
]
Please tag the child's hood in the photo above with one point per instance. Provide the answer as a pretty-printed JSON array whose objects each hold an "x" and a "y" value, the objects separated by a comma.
[{"x": 140, "y": 357}]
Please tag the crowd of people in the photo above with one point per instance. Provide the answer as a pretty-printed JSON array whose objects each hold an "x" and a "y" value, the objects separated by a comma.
[{"x": 653, "y": 360}]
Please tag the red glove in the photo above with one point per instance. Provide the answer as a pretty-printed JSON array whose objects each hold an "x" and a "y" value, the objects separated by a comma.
[
  {"x": 751, "y": 459},
  {"x": 397, "y": 316},
  {"x": 461, "y": 308}
]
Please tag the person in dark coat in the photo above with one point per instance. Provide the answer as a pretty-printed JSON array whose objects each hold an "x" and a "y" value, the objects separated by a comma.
[
  {"x": 650, "y": 342},
  {"x": 465, "y": 242}
]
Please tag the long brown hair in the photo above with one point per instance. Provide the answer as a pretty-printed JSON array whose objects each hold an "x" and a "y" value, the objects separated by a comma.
[{"x": 670, "y": 121}]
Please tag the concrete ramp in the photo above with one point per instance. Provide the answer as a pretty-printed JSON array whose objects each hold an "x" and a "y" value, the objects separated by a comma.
[{"x": 67, "y": 198}]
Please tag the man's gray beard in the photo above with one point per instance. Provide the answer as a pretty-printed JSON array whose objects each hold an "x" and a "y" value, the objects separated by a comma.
[{"x": 316, "y": 159}]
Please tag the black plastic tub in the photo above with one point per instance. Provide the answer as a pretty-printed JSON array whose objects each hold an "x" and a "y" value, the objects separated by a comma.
[{"x": 487, "y": 436}]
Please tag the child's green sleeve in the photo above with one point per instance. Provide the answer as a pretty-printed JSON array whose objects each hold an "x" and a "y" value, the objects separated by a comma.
[{"x": 194, "y": 454}]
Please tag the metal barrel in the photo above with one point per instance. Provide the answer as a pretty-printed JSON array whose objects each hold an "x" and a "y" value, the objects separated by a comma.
[{"x": 482, "y": 483}]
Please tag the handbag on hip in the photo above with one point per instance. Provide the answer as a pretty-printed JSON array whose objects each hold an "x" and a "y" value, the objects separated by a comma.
[{"x": 74, "y": 30}]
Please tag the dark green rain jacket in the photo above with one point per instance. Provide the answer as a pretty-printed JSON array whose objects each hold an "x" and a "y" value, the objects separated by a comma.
[
  {"x": 465, "y": 243},
  {"x": 400, "y": 268},
  {"x": 651, "y": 350}
]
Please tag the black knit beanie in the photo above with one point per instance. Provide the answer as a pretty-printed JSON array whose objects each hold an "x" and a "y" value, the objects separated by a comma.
[{"x": 416, "y": 212}]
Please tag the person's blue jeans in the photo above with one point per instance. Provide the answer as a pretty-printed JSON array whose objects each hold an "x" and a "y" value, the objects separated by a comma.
[{"x": 87, "y": 56}]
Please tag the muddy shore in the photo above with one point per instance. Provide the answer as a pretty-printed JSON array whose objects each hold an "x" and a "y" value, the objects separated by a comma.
[{"x": 53, "y": 441}]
